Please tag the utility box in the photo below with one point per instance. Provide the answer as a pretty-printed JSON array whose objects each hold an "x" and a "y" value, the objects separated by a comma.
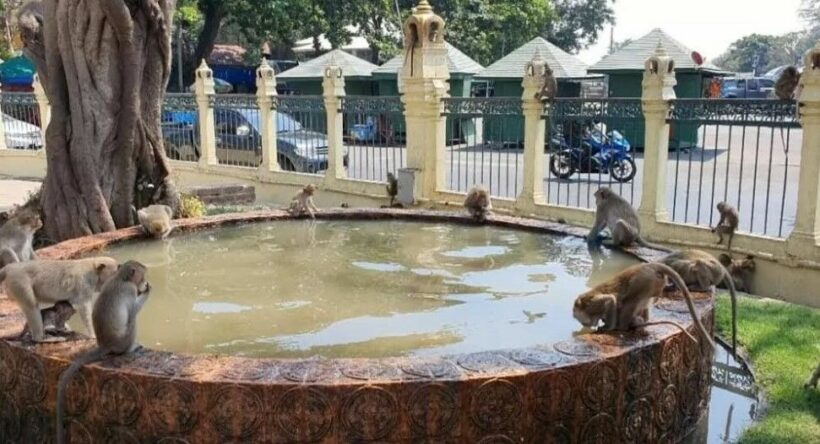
[{"x": 407, "y": 186}]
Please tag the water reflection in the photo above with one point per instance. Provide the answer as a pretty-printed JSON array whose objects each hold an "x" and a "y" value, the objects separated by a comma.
[{"x": 733, "y": 406}]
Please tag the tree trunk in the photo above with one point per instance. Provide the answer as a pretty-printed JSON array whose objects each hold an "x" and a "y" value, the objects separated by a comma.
[
  {"x": 104, "y": 65},
  {"x": 214, "y": 13}
]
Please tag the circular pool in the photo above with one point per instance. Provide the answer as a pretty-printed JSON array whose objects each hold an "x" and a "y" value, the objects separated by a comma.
[{"x": 368, "y": 325}]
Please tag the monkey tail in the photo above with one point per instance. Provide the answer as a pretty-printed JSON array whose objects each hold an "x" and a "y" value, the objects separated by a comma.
[
  {"x": 675, "y": 324},
  {"x": 730, "y": 284},
  {"x": 97, "y": 354},
  {"x": 642, "y": 242},
  {"x": 676, "y": 279}
]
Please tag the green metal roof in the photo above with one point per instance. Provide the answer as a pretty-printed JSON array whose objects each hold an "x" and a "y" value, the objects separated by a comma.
[
  {"x": 457, "y": 62},
  {"x": 352, "y": 67},
  {"x": 512, "y": 66},
  {"x": 633, "y": 56}
]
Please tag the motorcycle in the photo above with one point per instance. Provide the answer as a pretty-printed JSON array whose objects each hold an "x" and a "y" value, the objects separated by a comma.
[{"x": 596, "y": 153}]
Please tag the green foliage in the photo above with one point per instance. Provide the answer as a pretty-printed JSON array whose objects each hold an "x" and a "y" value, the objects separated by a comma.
[
  {"x": 191, "y": 207},
  {"x": 771, "y": 51},
  {"x": 579, "y": 23},
  {"x": 783, "y": 341}
]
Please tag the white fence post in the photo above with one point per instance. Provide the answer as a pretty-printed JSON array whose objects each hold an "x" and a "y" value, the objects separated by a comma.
[
  {"x": 535, "y": 77},
  {"x": 424, "y": 81},
  {"x": 204, "y": 87},
  {"x": 805, "y": 238},
  {"x": 2, "y": 126},
  {"x": 266, "y": 100},
  {"x": 43, "y": 105},
  {"x": 334, "y": 93},
  {"x": 658, "y": 91}
]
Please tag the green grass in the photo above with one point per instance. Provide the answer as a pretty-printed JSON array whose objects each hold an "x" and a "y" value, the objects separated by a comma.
[{"x": 783, "y": 343}]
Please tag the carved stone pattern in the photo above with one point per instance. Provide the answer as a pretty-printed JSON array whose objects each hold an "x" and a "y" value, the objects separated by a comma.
[
  {"x": 172, "y": 440},
  {"x": 666, "y": 408},
  {"x": 639, "y": 372},
  {"x": 366, "y": 371},
  {"x": 78, "y": 395},
  {"x": 600, "y": 429},
  {"x": 370, "y": 413},
  {"x": 601, "y": 386},
  {"x": 295, "y": 104},
  {"x": 171, "y": 408},
  {"x": 554, "y": 396},
  {"x": 31, "y": 379},
  {"x": 9, "y": 418},
  {"x": 577, "y": 348},
  {"x": 433, "y": 410},
  {"x": 120, "y": 401},
  {"x": 496, "y": 439},
  {"x": 119, "y": 435},
  {"x": 496, "y": 405},
  {"x": 485, "y": 363},
  {"x": 671, "y": 356},
  {"x": 308, "y": 371},
  {"x": 558, "y": 434},
  {"x": 35, "y": 424},
  {"x": 770, "y": 113},
  {"x": 250, "y": 372},
  {"x": 304, "y": 414},
  {"x": 78, "y": 433},
  {"x": 638, "y": 422},
  {"x": 223, "y": 413},
  {"x": 431, "y": 369},
  {"x": 8, "y": 370},
  {"x": 690, "y": 395},
  {"x": 472, "y": 106},
  {"x": 372, "y": 105},
  {"x": 536, "y": 358},
  {"x": 569, "y": 109}
]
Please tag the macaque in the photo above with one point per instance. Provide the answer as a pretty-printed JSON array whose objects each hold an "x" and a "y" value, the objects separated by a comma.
[
  {"x": 54, "y": 319},
  {"x": 115, "y": 325},
  {"x": 812, "y": 382},
  {"x": 622, "y": 303},
  {"x": 302, "y": 202},
  {"x": 700, "y": 271},
  {"x": 741, "y": 270},
  {"x": 156, "y": 220},
  {"x": 550, "y": 88},
  {"x": 478, "y": 203},
  {"x": 392, "y": 188},
  {"x": 729, "y": 221},
  {"x": 615, "y": 213},
  {"x": 786, "y": 87},
  {"x": 17, "y": 237},
  {"x": 36, "y": 283}
]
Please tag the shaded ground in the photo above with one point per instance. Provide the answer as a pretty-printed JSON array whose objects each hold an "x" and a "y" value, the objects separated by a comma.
[{"x": 15, "y": 192}]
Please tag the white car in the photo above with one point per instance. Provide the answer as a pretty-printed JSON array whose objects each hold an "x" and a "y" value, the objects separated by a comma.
[{"x": 22, "y": 135}]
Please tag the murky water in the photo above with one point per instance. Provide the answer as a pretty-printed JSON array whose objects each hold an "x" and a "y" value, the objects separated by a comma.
[
  {"x": 733, "y": 406},
  {"x": 362, "y": 289}
]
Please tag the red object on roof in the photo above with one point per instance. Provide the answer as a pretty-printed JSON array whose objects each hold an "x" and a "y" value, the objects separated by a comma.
[{"x": 697, "y": 58}]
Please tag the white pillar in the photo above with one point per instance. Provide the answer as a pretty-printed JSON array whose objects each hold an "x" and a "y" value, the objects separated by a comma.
[
  {"x": 658, "y": 91},
  {"x": 3, "y": 128},
  {"x": 334, "y": 93},
  {"x": 266, "y": 98},
  {"x": 424, "y": 84},
  {"x": 536, "y": 75},
  {"x": 43, "y": 105},
  {"x": 204, "y": 87},
  {"x": 806, "y": 235}
]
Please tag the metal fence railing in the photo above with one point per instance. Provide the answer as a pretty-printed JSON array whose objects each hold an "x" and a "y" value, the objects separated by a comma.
[
  {"x": 592, "y": 143},
  {"x": 21, "y": 120},
  {"x": 485, "y": 140},
  {"x": 743, "y": 152},
  {"x": 180, "y": 129},
  {"x": 302, "y": 133},
  {"x": 375, "y": 136},
  {"x": 238, "y": 126}
]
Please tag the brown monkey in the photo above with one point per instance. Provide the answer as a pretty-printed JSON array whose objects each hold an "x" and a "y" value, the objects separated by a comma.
[
  {"x": 115, "y": 325},
  {"x": 812, "y": 382},
  {"x": 700, "y": 271},
  {"x": 54, "y": 319},
  {"x": 741, "y": 270},
  {"x": 392, "y": 188},
  {"x": 786, "y": 87},
  {"x": 36, "y": 283},
  {"x": 17, "y": 236},
  {"x": 550, "y": 88},
  {"x": 622, "y": 302},
  {"x": 729, "y": 221},
  {"x": 615, "y": 213},
  {"x": 156, "y": 220},
  {"x": 478, "y": 203},
  {"x": 302, "y": 202}
]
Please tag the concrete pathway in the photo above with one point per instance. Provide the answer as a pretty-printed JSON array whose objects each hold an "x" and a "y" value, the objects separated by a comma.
[{"x": 15, "y": 192}]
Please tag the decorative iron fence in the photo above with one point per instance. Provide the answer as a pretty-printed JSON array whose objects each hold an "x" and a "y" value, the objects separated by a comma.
[
  {"x": 591, "y": 143},
  {"x": 238, "y": 126},
  {"x": 375, "y": 136},
  {"x": 180, "y": 127},
  {"x": 743, "y": 152},
  {"x": 302, "y": 133},
  {"x": 21, "y": 121},
  {"x": 485, "y": 140}
]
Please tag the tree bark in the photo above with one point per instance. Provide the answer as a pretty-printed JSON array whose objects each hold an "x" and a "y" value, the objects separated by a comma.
[{"x": 104, "y": 65}]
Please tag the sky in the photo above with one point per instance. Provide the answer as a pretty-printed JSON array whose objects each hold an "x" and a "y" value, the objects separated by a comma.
[{"x": 706, "y": 26}]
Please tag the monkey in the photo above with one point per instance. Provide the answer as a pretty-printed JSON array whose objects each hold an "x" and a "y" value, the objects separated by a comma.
[
  {"x": 740, "y": 269},
  {"x": 54, "y": 319},
  {"x": 622, "y": 302},
  {"x": 478, "y": 203},
  {"x": 4, "y": 217},
  {"x": 392, "y": 187},
  {"x": 156, "y": 220},
  {"x": 812, "y": 382},
  {"x": 729, "y": 221},
  {"x": 302, "y": 202},
  {"x": 615, "y": 213},
  {"x": 786, "y": 87},
  {"x": 700, "y": 271},
  {"x": 114, "y": 316},
  {"x": 17, "y": 237},
  {"x": 550, "y": 88},
  {"x": 46, "y": 282}
]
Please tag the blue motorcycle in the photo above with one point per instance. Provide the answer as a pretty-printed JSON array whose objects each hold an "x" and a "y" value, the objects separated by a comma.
[{"x": 596, "y": 153}]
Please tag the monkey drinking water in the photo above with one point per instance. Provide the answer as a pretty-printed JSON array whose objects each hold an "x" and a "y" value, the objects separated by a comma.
[
  {"x": 302, "y": 202},
  {"x": 622, "y": 303},
  {"x": 114, "y": 316},
  {"x": 741, "y": 270},
  {"x": 613, "y": 212},
  {"x": 156, "y": 220},
  {"x": 478, "y": 203},
  {"x": 728, "y": 223}
]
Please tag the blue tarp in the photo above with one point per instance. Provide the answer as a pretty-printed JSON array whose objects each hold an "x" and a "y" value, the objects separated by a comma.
[{"x": 17, "y": 71}]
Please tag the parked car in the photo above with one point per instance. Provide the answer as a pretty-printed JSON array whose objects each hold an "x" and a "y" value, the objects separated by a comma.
[
  {"x": 747, "y": 88},
  {"x": 220, "y": 86},
  {"x": 22, "y": 135},
  {"x": 239, "y": 139}
]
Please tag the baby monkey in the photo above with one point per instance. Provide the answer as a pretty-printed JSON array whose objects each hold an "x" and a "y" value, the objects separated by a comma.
[
  {"x": 54, "y": 319},
  {"x": 478, "y": 203},
  {"x": 729, "y": 221},
  {"x": 622, "y": 303},
  {"x": 741, "y": 270},
  {"x": 302, "y": 202},
  {"x": 156, "y": 220}
]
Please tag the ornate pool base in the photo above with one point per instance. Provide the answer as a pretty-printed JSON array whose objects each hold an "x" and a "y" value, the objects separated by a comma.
[{"x": 637, "y": 387}]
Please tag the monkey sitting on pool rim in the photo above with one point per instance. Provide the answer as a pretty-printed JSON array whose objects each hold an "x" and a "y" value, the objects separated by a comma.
[
  {"x": 302, "y": 202},
  {"x": 478, "y": 203},
  {"x": 613, "y": 212}
]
